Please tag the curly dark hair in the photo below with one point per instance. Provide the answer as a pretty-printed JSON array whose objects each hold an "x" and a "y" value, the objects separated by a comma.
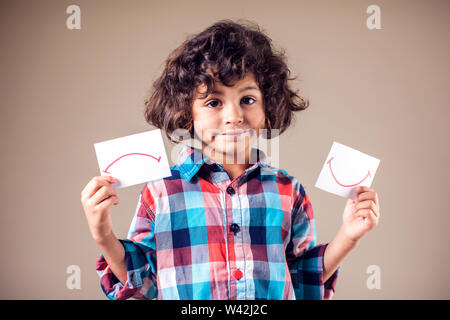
[{"x": 226, "y": 51}]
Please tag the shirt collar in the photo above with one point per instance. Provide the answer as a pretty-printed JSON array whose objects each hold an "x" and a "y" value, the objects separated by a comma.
[{"x": 191, "y": 159}]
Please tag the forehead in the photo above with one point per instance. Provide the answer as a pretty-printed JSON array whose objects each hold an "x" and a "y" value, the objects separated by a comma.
[{"x": 248, "y": 80}]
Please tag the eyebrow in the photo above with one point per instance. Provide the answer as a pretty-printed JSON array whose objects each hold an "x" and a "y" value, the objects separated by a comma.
[{"x": 242, "y": 90}]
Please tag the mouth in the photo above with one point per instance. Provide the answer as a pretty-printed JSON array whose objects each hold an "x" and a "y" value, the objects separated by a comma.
[{"x": 235, "y": 134}]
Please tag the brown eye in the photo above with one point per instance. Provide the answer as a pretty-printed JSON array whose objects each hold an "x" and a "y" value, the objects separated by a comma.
[
  {"x": 212, "y": 104},
  {"x": 246, "y": 100}
]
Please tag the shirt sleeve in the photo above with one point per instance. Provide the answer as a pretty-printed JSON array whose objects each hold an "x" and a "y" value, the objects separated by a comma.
[
  {"x": 304, "y": 257},
  {"x": 140, "y": 257}
]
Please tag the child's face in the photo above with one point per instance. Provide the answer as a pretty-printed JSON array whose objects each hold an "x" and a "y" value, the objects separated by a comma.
[{"x": 230, "y": 118}]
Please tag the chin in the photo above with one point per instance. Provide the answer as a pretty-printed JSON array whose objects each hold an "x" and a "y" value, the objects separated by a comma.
[{"x": 234, "y": 152}]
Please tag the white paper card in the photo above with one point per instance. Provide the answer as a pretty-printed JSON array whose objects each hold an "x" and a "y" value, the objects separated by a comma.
[
  {"x": 346, "y": 169},
  {"x": 133, "y": 159}
]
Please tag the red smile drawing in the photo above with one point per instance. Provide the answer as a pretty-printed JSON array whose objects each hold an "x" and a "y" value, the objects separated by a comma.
[
  {"x": 130, "y": 154},
  {"x": 346, "y": 185}
]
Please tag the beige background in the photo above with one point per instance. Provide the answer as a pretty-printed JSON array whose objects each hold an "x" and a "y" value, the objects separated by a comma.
[{"x": 383, "y": 92}]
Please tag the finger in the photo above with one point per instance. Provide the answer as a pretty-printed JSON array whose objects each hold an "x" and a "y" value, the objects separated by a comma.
[
  {"x": 102, "y": 194},
  {"x": 95, "y": 184},
  {"x": 367, "y": 214},
  {"x": 363, "y": 213},
  {"x": 369, "y": 204},
  {"x": 366, "y": 204},
  {"x": 372, "y": 218},
  {"x": 362, "y": 189},
  {"x": 368, "y": 195},
  {"x": 106, "y": 203}
]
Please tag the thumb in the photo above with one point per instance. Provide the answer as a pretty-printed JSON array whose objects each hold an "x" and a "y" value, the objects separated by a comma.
[
  {"x": 350, "y": 204},
  {"x": 111, "y": 179}
]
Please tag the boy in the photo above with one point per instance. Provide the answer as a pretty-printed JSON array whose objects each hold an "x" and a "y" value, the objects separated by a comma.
[{"x": 219, "y": 228}]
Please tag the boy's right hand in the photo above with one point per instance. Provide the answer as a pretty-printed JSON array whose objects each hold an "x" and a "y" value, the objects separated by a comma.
[{"x": 97, "y": 198}]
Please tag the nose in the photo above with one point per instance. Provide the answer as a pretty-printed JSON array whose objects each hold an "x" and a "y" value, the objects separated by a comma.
[{"x": 233, "y": 114}]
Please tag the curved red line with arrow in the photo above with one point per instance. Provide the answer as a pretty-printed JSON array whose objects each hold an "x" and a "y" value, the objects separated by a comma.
[
  {"x": 130, "y": 154},
  {"x": 343, "y": 185}
]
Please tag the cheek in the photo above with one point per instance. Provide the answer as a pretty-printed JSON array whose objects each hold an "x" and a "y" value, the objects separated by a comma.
[
  {"x": 200, "y": 130},
  {"x": 204, "y": 126},
  {"x": 257, "y": 119}
]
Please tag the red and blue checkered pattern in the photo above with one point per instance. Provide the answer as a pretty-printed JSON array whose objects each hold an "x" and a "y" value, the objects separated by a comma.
[{"x": 199, "y": 235}]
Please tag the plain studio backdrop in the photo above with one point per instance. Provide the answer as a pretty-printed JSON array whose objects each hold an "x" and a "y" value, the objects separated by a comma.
[{"x": 384, "y": 92}]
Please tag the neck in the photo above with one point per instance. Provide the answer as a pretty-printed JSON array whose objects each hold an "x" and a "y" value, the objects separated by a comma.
[
  {"x": 234, "y": 170},
  {"x": 234, "y": 165}
]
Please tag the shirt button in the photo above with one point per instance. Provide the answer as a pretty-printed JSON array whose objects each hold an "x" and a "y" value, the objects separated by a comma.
[
  {"x": 230, "y": 191},
  {"x": 237, "y": 274},
  {"x": 234, "y": 228}
]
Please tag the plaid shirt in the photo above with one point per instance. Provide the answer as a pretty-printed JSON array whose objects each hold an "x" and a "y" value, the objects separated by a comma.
[{"x": 199, "y": 235}]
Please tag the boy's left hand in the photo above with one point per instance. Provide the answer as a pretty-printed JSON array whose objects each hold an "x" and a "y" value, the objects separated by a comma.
[{"x": 362, "y": 214}]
